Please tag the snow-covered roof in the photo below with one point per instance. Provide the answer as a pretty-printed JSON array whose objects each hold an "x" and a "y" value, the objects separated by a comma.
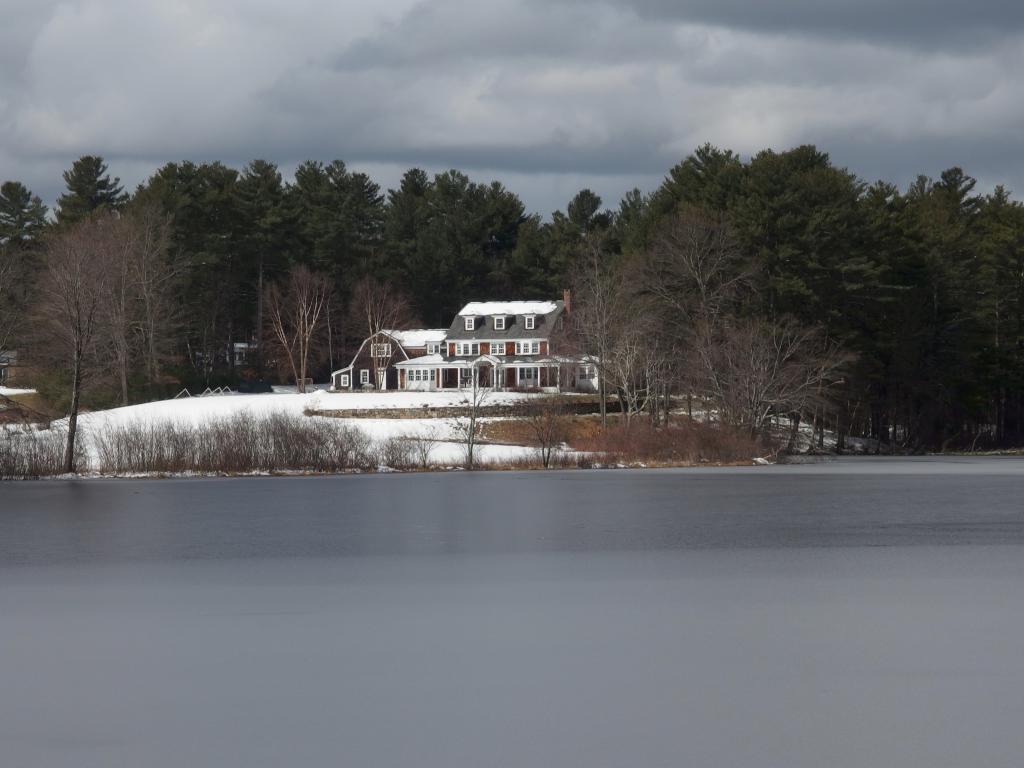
[
  {"x": 421, "y": 360},
  {"x": 418, "y": 337},
  {"x": 478, "y": 308}
]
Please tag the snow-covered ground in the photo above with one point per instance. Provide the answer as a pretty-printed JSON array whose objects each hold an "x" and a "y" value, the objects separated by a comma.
[
  {"x": 11, "y": 392},
  {"x": 448, "y": 450}
]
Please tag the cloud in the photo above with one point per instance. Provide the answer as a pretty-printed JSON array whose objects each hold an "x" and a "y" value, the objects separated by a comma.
[
  {"x": 917, "y": 22},
  {"x": 543, "y": 95}
]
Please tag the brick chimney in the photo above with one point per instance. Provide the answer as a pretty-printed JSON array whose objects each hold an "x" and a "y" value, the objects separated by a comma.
[{"x": 567, "y": 300}]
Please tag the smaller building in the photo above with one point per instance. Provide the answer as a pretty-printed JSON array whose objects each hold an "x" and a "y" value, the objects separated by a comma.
[
  {"x": 8, "y": 367},
  {"x": 374, "y": 365}
]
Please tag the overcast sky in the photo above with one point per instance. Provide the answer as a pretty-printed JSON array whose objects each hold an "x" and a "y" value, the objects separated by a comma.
[{"x": 548, "y": 96}]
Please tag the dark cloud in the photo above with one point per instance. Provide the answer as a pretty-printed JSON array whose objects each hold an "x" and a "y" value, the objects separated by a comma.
[
  {"x": 546, "y": 95},
  {"x": 920, "y": 22}
]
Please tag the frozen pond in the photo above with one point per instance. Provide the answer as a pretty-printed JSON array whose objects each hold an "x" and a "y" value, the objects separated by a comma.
[{"x": 857, "y": 613}]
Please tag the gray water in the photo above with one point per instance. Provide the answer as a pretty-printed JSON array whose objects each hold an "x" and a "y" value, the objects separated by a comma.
[{"x": 858, "y": 613}]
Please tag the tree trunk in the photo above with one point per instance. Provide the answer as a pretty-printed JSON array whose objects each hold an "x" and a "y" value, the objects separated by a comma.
[
  {"x": 794, "y": 432},
  {"x": 76, "y": 386},
  {"x": 259, "y": 321}
]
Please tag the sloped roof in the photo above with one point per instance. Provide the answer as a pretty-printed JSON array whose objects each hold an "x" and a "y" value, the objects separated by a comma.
[
  {"x": 421, "y": 360},
  {"x": 545, "y": 314},
  {"x": 418, "y": 337}
]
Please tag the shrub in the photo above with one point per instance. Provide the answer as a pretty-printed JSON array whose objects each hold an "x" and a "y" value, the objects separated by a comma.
[
  {"x": 239, "y": 443},
  {"x": 26, "y": 452}
]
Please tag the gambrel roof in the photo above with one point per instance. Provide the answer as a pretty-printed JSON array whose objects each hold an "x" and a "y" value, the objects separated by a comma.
[{"x": 545, "y": 314}]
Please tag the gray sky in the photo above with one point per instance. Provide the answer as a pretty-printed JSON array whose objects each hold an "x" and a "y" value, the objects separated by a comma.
[{"x": 546, "y": 95}]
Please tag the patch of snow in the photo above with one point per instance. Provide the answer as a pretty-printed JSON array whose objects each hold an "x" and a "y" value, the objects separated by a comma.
[{"x": 10, "y": 391}]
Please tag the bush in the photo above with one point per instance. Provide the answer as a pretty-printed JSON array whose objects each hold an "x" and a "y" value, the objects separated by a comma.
[
  {"x": 396, "y": 453},
  {"x": 26, "y": 452},
  {"x": 234, "y": 444}
]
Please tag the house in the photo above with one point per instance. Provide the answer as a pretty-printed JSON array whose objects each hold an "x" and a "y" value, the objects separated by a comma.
[
  {"x": 500, "y": 345},
  {"x": 8, "y": 367},
  {"x": 375, "y": 363}
]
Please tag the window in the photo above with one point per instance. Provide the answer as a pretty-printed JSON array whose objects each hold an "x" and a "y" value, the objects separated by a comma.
[
  {"x": 499, "y": 323},
  {"x": 531, "y": 322},
  {"x": 433, "y": 349},
  {"x": 380, "y": 350},
  {"x": 528, "y": 375},
  {"x": 344, "y": 380},
  {"x": 364, "y": 375},
  {"x": 587, "y": 372},
  {"x": 467, "y": 348},
  {"x": 421, "y": 374},
  {"x": 527, "y": 347},
  {"x": 470, "y": 323}
]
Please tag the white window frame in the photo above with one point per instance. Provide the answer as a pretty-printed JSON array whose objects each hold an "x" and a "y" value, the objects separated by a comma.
[
  {"x": 527, "y": 347},
  {"x": 530, "y": 322},
  {"x": 422, "y": 374},
  {"x": 467, "y": 348},
  {"x": 499, "y": 322},
  {"x": 344, "y": 380},
  {"x": 470, "y": 324},
  {"x": 433, "y": 348},
  {"x": 364, "y": 375},
  {"x": 382, "y": 349}
]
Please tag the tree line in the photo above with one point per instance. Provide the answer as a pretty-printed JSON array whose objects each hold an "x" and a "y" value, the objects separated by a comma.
[{"x": 781, "y": 286}]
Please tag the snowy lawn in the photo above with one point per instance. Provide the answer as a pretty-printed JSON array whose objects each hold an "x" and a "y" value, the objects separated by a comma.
[{"x": 446, "y": 451}]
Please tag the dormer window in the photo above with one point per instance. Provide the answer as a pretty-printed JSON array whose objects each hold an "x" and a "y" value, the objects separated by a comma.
[
  {"x": 470, "y": 323},
  {"x": 531, "y": 322},
  {"x": 499, "y": 322}
]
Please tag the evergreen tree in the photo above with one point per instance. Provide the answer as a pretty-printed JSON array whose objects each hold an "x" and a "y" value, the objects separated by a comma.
[
  {"x": 90, "y": 189},
  {"x": 22, "y": 215}
]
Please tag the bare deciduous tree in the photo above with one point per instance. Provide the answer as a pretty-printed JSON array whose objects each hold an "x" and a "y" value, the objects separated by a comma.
[
  {"x": 11, "y": 274},
  {"x": 155, "y": 278},
  {"x": 599, "y": 305},
  {"x": 138, "y": 312},
  {"x": 294, "y": 317},
  {"x": 547, "y": 421},
  {"x": 695, "y": 268},
  {"x": 76, "y": 278},
  {"x": 377, "y": 307},
  {"x": 754, "y": 368},
  {"x": 467, "y": 427}
]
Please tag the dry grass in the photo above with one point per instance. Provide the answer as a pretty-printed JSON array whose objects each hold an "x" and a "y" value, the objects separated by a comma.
[{"x": 682, "y": 442}]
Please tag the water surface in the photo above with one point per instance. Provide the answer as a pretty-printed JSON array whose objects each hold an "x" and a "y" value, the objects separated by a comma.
[{"x": 860, "y": 613}]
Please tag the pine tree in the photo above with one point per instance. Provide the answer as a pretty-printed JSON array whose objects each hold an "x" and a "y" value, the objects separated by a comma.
[
  {"x": 90, "y": 188},
  {"x": 22, "y": 215}
]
